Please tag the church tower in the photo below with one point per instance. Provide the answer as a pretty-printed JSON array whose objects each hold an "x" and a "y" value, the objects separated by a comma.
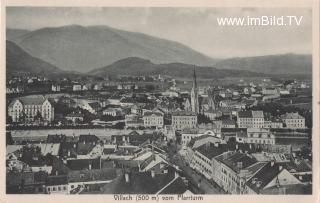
[{"x": 194, "y": 94}]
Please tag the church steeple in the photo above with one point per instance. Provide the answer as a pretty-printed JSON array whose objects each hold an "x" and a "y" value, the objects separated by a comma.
[{"x": 194, "y": 94}]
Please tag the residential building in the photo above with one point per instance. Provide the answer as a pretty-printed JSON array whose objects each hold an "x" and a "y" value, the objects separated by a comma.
[
  {"x": 293, "y": 121},
  {"x": 257, "y": 136},
  {"x": 28, "y": 108},
  {"x": 250, "y": 119},
  {"x": 153, "y": 119},
  {"x": 274, "y": 179},
  {"x": 75, "y": 117},
  {"x": 184, "y": 119}
]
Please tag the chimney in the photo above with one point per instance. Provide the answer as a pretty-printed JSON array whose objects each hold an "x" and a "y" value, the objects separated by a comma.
[
  {"x": 280, "y": 168},
  {"x": 126, "y": 176},
  {"x": 272, "y": 163},
  {"x": 152, "y": 173}
]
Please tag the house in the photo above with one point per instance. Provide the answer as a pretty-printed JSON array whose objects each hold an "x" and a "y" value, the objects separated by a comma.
[
  {"x": 167, "y": 181},
  {"x": 274, "y": 179},
  {"x": 293, "y": 121},
  {"x": 30, "y": 108},
  {"x": 75, "y": 117},
  {"x": 133, "y": 121},
  {"x": 257, "y": 136},
  {"x": 57, "y": 184},
  {"x": 153, "y": 119},
  {"x": 92, "y": 107},
  {"x": 233, "y": 170},
  {"x": 112, "y": 112},
  {"x": 250, "y": 119},
  {"x": 184, "y": 119},
  {"x": 203, "y": 155}
]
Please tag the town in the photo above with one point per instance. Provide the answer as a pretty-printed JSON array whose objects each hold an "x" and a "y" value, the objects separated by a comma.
[{"x": 158, "y": 135}]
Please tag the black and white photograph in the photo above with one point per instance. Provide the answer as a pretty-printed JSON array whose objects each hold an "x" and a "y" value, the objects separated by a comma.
[{"x": 184, "y": 101}]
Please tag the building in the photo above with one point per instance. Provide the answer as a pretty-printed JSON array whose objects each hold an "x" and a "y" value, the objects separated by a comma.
[
  {"x": 75, "y": 117},
  {"x": 293, "y": 120},
  {"x": 153, "y": 119},
  {"x": 250, "y": 119},
  {"x": 112, "y": 112},
  {"x": 184, "y": 119},
  {"x": 203, "y": 158},
  {"x": 257, "y": 136},
  {"x": 269, "y": 91},
  {"x": 234, "y": 168},
  {"x": 30, "y": 108},
  {"x": 195, "y": 94},
  {"x": 274, "y": 179}
]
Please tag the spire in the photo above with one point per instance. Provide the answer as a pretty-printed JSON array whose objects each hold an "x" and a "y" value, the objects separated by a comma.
[{"x": 194, "y": 78}]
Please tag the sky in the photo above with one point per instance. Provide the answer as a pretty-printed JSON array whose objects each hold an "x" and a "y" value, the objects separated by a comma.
[{"x": 194, "y": 27}]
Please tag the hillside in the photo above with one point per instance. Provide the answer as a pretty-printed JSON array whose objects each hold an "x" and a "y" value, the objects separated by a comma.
[
  {"x": 11, "y": 34},
  {"x": 139, "y": 66},
  {"x": 20, "y": 62},
  {"x": 82, "y": 49},
  {"x": 273, "y": 64}
]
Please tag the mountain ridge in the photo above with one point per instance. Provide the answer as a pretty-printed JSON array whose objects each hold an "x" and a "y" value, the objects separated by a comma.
[{"x": 84, "y": 48}]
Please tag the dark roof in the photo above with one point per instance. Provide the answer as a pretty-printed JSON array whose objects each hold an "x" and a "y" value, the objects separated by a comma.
[
  {"x": 94, "y": 105},
  {"x": 210, "y": 150},
  {"x": 152, "y": 113},
  {"x": 56, "y": 138},
  {"x": 88, "y": 138},
  {"x": 91, "y": 175},
  {"x": 264, "y": 176},
  {"x": 140, "y": 183},
  {"x": 57, "y": 180},
  {"x": 183, "y": 113},
  {"x": 176, "y": 187},
  {"x": 233, "y": 160},
  {"x": 80, "y": 164},
  {"x": 245, "y": 114}
]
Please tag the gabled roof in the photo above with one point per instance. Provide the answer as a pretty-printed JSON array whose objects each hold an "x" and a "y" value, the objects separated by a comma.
[{"x": 264, "y": 176}]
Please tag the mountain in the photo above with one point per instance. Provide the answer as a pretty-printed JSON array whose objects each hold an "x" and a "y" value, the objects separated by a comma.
[
  {"x": 273, "y": 64},
  {"x": 11, "y": 34},
  {"x": 82, "y": 49},
  {"x": 139, "y": 66},
  {"x": 20, "y": 62}
]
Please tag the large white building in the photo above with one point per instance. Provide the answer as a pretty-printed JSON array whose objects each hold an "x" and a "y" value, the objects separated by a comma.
[
  {"x": 257, "y": 136},
  {"x": 28, "y": 108},
  {"x": 184, "y": 119},
  {"x": 250, "y": 119},
  {"x": 153, "y": 119},
  {"x": 293, "y": 120}
]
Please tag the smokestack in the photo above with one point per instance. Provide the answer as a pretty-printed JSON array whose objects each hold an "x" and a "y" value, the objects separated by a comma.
[{"x": 126, "y": 176}]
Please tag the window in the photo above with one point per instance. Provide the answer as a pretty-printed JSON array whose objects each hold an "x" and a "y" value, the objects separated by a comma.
[{"x": 53, "y": 188}]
